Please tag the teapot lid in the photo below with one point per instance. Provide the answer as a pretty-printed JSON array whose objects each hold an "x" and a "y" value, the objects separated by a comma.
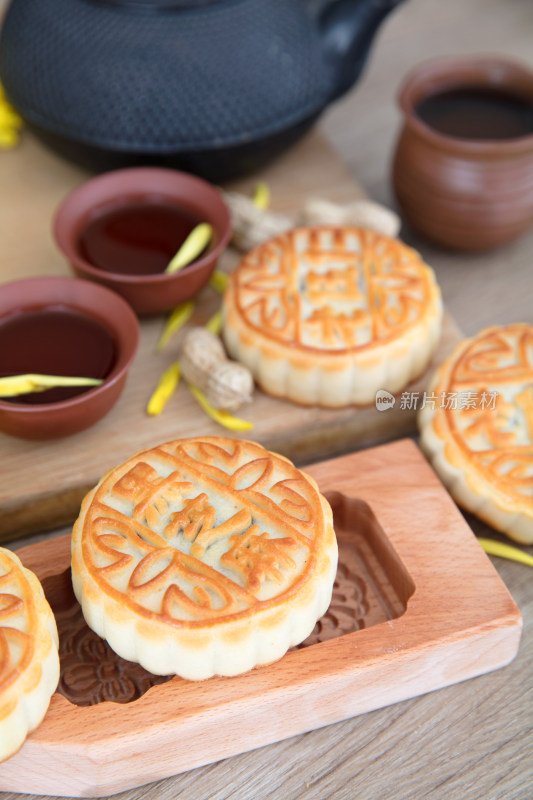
[
  {"x": 127, "y": 74},
  {"x": 156, "y": 5}
]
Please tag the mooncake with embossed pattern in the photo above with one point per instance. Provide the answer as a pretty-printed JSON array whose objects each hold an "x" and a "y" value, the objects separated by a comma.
[
  {"x": 329, "y": 316},
  {"x": 477, "y": 427},
  {"x": 204, "y": 556},
  {"x": 29, "y": 660}
]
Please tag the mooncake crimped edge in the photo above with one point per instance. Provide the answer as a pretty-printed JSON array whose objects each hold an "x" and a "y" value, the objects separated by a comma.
[
  {"x": 218, "y": 648},
  {"x": 26, "y": 699},
  {"x": 467, "y": 486},
  {"x": 334, "y": 380}
]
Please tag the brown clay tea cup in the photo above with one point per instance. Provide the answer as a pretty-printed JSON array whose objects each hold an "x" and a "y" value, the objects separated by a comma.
[
  {"x": 123, "y": 227},
  {"x": 66, "y": 327},
  {"x": 463, "y": 166}
]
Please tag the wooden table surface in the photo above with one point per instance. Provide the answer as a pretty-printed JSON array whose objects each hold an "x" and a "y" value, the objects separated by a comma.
[{"x": 475, "y": 739}]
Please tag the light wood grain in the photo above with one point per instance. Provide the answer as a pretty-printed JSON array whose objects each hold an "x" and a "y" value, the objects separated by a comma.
[
  {"x": 47, "y": 480},
  {"x": 460, "y": 622}
]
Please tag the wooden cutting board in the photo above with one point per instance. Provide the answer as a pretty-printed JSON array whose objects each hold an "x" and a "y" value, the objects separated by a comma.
[
  {"x": 42, "y": 483},
  {"x": 417, "y": 606}
]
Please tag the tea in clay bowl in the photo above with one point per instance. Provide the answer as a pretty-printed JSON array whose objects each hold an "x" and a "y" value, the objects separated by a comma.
[
  {"x": 122, "y": 228},
  {"x": 63, "y": 326},
  {"x": 463, "y": 165}
]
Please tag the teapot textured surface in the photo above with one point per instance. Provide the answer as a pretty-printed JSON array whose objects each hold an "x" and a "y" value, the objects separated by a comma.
[{"x": 151, "y": 81}]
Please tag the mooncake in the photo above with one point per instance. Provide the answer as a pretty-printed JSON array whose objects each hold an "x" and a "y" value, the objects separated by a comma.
[
  {"x": 476, "y": 426},
  {"x": 29, "y": 660},
  {"x": 330, "y": 315},
  {"x": 204, "y": 556}
]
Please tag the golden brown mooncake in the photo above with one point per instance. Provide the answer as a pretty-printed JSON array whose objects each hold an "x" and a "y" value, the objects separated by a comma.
[
  {"x": 329, "y": 316},
  {"x": 205, "y": 556},
  {"x": 29, "y": 660},
  {"x": 477, "y": 427}
]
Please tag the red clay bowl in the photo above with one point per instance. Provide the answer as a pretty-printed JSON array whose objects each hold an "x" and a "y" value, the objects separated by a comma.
[
  {"x": 146, "y": 293},
  {"x": 108, "y": 314},
  {"x": 465, "y": 194}
]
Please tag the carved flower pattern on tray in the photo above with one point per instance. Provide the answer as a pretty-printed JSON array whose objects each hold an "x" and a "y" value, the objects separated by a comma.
[
  {"x": 91, "y": 672},
  {"x": 349, "y": 605}
]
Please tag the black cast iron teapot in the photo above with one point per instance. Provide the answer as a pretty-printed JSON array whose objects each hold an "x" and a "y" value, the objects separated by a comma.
[{"x": 215, "y": 87}]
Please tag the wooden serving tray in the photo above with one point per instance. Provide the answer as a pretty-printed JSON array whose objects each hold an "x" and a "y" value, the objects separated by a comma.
[
  {"x": 45, "y": 482},
  {"x": 417, "y": 606}
]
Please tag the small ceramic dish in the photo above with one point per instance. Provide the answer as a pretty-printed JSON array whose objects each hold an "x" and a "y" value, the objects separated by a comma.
[
  {"x": 102, "y": 248},
  {"x": 68, "y": 327}
]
